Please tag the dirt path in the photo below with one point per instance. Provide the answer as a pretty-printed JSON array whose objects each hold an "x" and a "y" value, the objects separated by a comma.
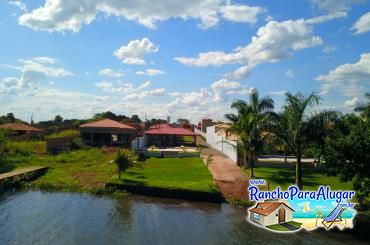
[{"x": 229, "y": 178}]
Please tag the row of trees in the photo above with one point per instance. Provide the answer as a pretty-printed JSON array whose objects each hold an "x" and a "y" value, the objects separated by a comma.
[{"x": 340, "y": 143}]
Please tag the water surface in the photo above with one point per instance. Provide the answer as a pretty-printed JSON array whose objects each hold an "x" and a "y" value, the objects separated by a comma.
[{"x": 35, "y": 217}]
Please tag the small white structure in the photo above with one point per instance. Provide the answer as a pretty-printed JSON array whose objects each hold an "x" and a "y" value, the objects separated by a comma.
[{"x": 271, "y": 213}]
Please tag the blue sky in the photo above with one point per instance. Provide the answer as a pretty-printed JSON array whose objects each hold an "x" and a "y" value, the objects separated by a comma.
[{"x": 178, "y": 58}]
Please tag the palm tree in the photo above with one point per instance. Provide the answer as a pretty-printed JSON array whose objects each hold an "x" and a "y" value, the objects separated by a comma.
[
  {"x": 250, "y": 123},
  {"x": 124, "y": 159},
  {"x": 319, "y": 214},
  {"x": 293, "y": 127}
]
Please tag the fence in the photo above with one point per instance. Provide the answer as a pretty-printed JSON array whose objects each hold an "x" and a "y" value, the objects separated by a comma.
[{"x": 228, "y": 147}]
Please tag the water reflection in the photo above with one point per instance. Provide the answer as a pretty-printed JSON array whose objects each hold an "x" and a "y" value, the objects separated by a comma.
[{"x": 62, "y": 218}]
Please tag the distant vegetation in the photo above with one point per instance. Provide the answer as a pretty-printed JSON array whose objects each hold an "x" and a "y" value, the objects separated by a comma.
[{"x": 65, "y": 133}]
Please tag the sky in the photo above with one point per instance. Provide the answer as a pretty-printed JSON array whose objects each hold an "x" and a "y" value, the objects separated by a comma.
[{"x": 184, "y": 58}]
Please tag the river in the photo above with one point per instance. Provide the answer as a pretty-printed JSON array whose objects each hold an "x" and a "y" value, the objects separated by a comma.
[{"x": 34, "y": 217}]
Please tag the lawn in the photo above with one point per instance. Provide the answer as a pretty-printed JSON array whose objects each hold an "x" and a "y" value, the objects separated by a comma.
[
  {"x": 284, "y": 177},
  {"x": 170, "y": 173},
  {"x": 91, "y": 169},
  {"x": 279, "y": 227}
]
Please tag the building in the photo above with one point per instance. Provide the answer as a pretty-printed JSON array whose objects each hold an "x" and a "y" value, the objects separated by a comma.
[
  {"x": 162, "y": 135},
  {"x": 206, "y": 122},
  {"x": 107, "y": 132},
  {"x": 271, "y": 213},
  {"x": 18, "y": 129}
]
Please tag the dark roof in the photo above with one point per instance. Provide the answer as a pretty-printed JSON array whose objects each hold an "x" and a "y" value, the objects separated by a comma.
[
  {"x": 19, "y": 127},
  {"x": 168, "y": 130},
  {"x": 107, "y": 123},
  {"x": 266, "y": 208}
]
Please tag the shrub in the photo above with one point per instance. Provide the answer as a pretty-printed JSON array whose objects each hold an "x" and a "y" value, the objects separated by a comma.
[
  {"x": 65, "y": 133},
  {"x": 124, "y": 159}
]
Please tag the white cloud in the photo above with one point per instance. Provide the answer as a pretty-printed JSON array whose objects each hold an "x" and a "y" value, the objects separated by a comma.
[
  {"x": 135, "y": 51},
  {"x": 351, "y": 103},
  {"x": 111, "y": 73},
  {"x": 241, "y": 13},
  {"x": 19, "y": 4},
  {"x": 32, "y": 71},
  {"x": 223, "y": 88},
  {"x": 289, "y": 73},
  {"x": 335, "y": 6},
  {"x": 287, "y": 36},
  {"x": 70, "y": 15},
  {"x": 146, "y": 93},
  {"x": 150, "y": 72},
  {"x": 362, "y": 25},
  {"x": 346, "y": 77},
  {"x": 329, "y": 49}
]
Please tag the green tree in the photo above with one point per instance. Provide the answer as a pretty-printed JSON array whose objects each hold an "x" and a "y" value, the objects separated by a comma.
[
  {"x": 124, "y": 159},
  {"x": 10, "y": 117},
  {"x": 348, "y": 154},
  {"x": 250, "y": 124},
  {"x": 135, "y": 118},
  {"x": 364, "y": 108},
  {"x": 58, "y": 119},
  {"x": 183, "y": 121},
  {"x": 293, "y": 127}
]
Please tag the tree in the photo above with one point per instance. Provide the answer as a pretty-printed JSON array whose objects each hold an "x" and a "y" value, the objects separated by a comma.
[
  {"x": 11, "y": 117},
  {"x": 183, "y": 121},
  {"x": 364, "y": 108},
  {"x": 124, "y": 159},
  {"x": 58, "y": 119},
  {"x": 293, "y": 127},
  {"x": 250, "y": 124},
  {"x": 324, "y": 125},
  {"x": 135, "y": 118},
  {"x": 348, "y": 154}
]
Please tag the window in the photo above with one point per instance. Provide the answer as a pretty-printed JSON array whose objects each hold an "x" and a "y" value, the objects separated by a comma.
[{"x": 256, "y": 216}]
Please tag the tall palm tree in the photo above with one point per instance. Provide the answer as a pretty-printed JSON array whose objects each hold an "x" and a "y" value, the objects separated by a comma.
[
  {"x": 293, "y": 127},
  {"x": 250, "y": 123}
]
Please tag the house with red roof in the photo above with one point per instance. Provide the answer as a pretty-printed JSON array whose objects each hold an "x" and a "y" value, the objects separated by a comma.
[
  {"x": 20, "y": 128},
  {"x": 163, "y": 135},
  {"x": 271, "y": 213},
  {"x": 107, "y": 132}
]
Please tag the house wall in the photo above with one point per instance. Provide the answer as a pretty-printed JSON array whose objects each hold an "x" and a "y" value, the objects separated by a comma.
[
  {"x": 273, "y": 218},
  {"x": 229, "y": 148},
  {"x": 260, "y": 221}
]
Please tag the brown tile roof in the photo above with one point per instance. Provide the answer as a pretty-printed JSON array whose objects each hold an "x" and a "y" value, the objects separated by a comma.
[
  {"x": 170, "y": 131},
  {"x": 266, "y": 208},
  {"x": 19, "y": 127},
  {"x": 107, "y": 123}
]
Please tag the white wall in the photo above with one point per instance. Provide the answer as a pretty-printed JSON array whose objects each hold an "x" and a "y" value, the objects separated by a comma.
[
  {"x": 229, "y": 148},
  {"x": 273, "y": 218},
  {"x": 138, "y": 143}
]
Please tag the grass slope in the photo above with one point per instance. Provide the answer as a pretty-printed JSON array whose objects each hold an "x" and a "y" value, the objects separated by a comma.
[{"x": 171, "y": 173}]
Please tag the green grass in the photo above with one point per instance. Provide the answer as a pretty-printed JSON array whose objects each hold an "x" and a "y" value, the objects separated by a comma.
[
  {"x": 27, "y": 147},
  {"x": 65, "y": 133},
  {"x": 170, "y": 173},
  {"x": 82, "y": 170},
  {"x": 284, "y": 177},
  {"x": 279, "y": 227}
]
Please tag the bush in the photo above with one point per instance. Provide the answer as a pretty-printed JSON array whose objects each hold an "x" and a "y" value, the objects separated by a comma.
[
  {"x": 65, "y": 133},
  {"x": 77, "y": 144}
]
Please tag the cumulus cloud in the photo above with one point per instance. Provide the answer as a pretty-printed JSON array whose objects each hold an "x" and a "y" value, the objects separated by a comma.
[
  {"x": 351, "y": 103},
  {"x": 70, "y": 15},
  {"x": 32, "y": 71},
  {"x": 223, "y": 88},
  {"x": 134, "y": 51},
  {"x": 329, "y": 49},
  {"x": 347, "y": 77},
  {"x": 362, "y": 25},
  {"x": 150, "y": 72},
  {"x": 287, "y": 36},
  {"x": 111, "y": 73},
  {"x": 335, "y": 6}
]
